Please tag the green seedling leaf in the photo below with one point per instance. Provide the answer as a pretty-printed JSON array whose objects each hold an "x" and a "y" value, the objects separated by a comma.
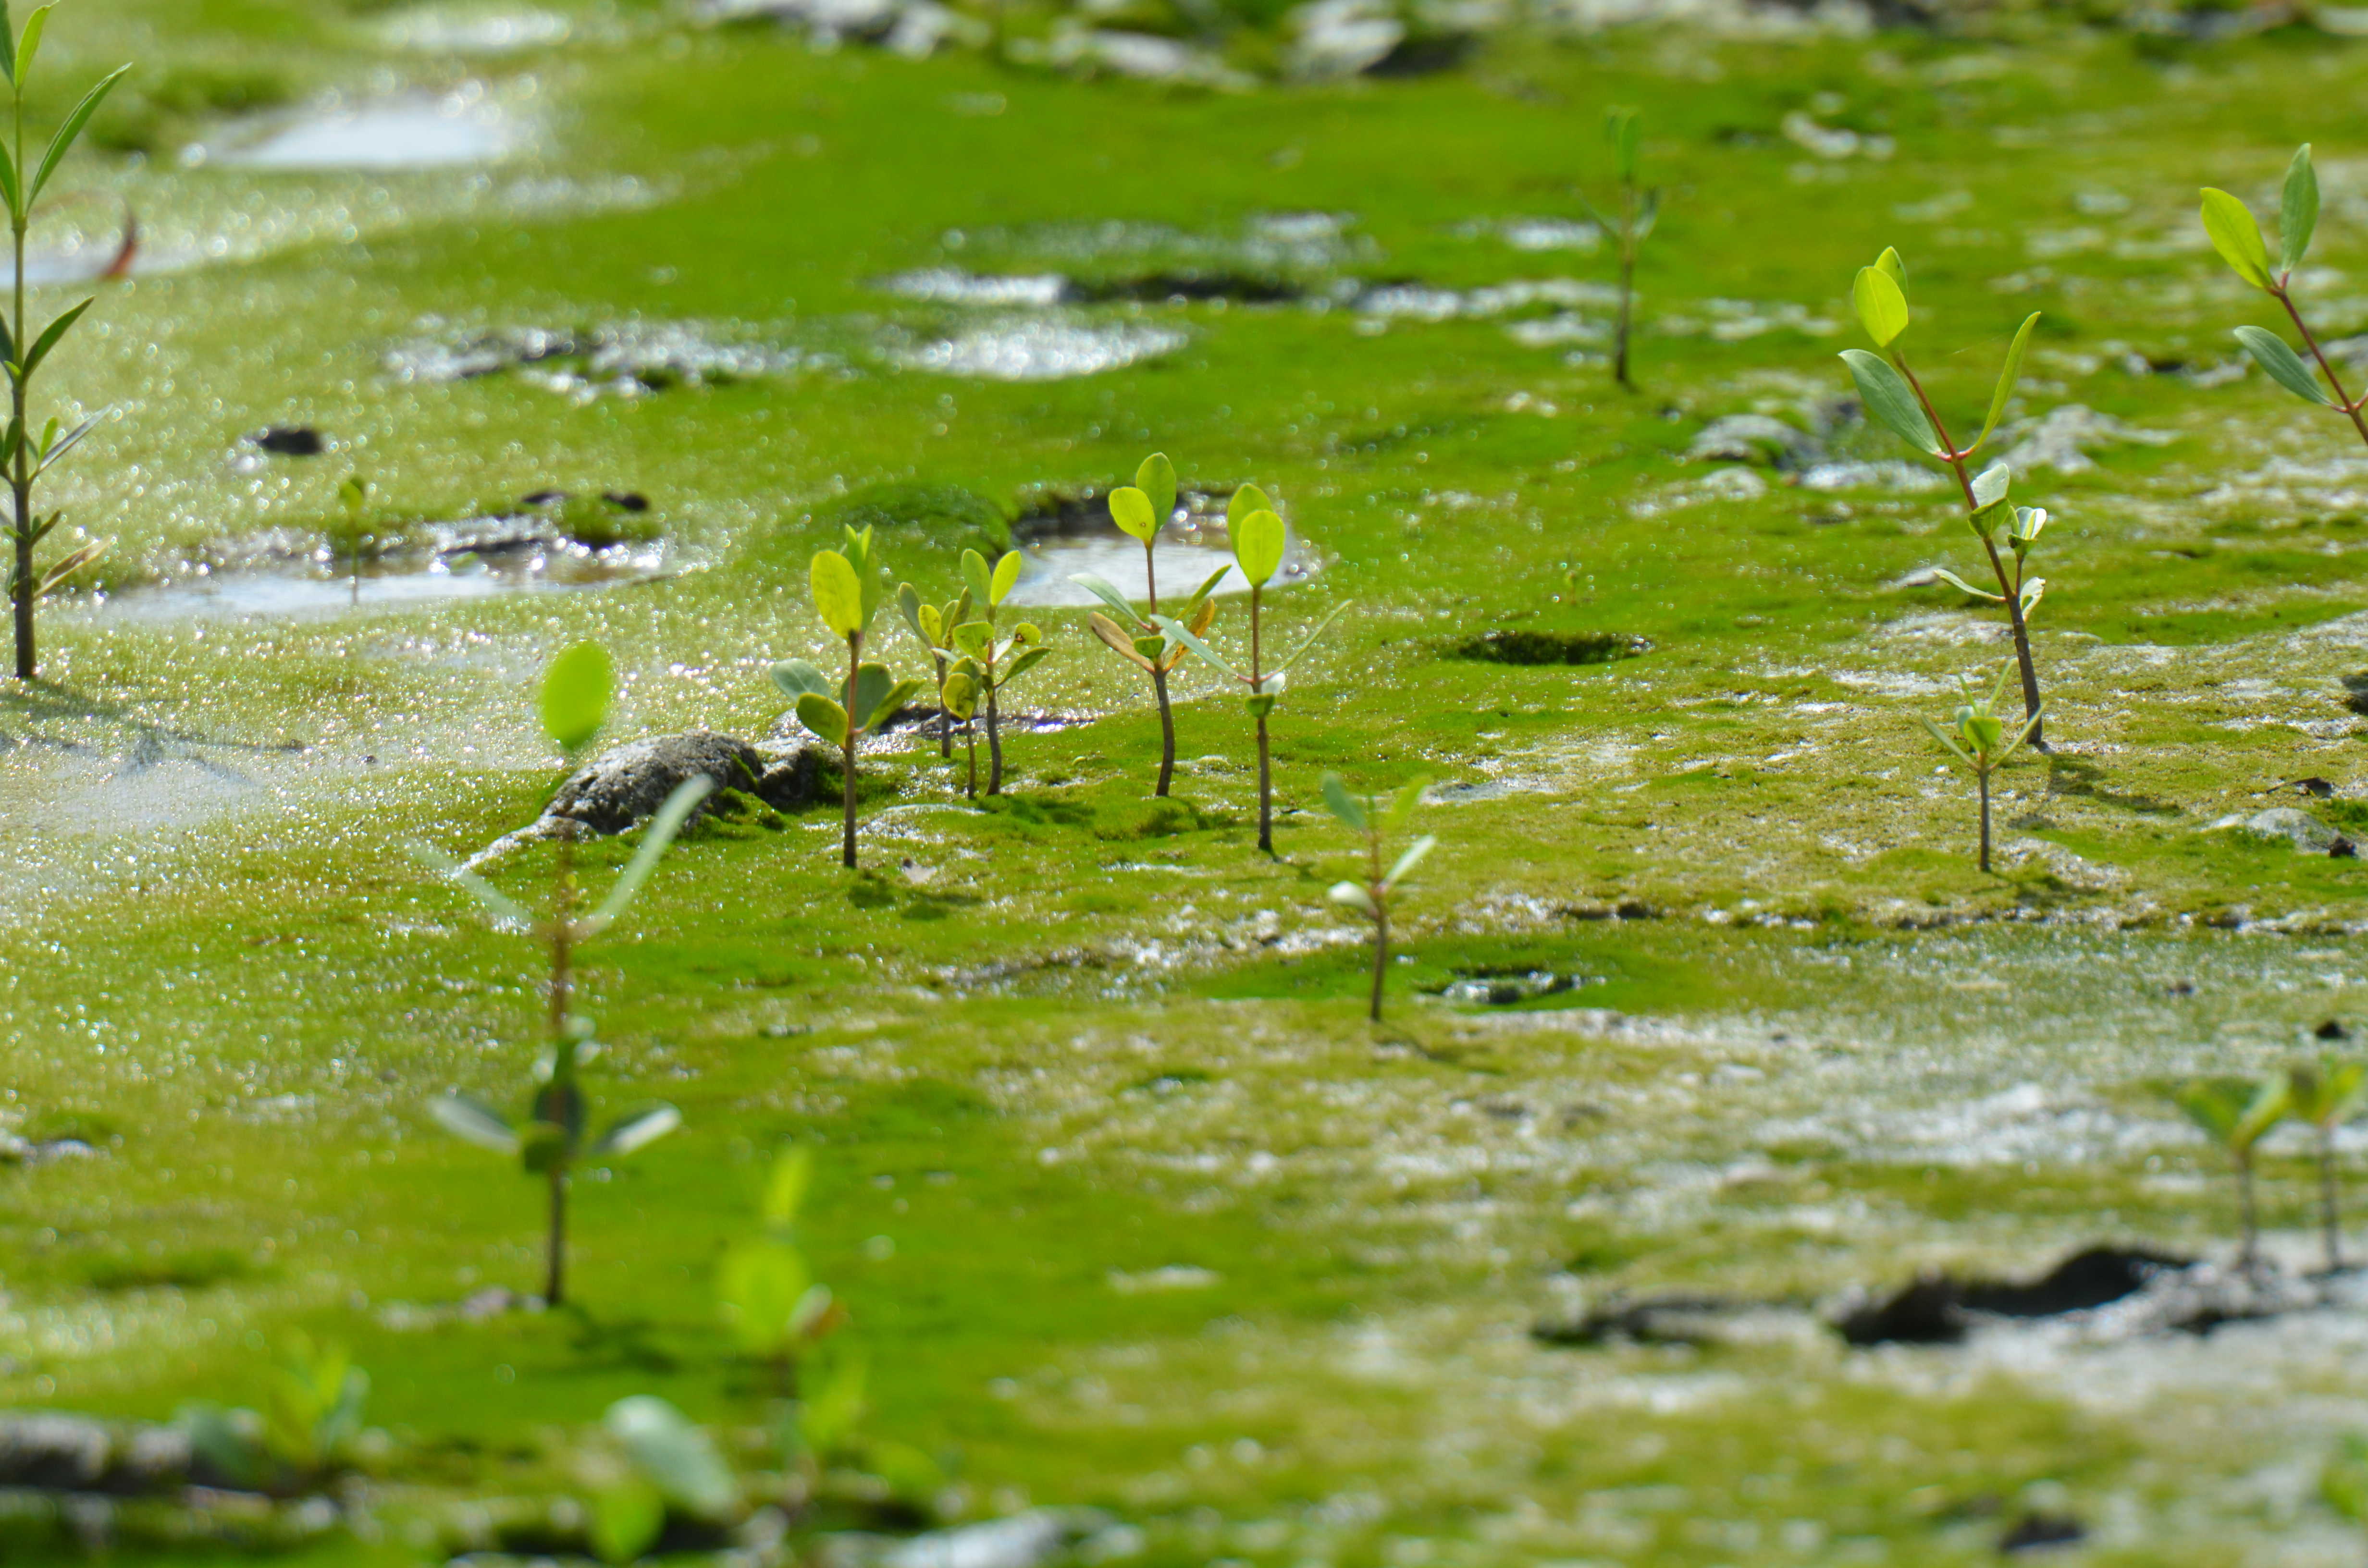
[
  {"x": 1949, "y": 741},
  {"x": 975, "y": 578},
  {"x": 2329, "y": 1093},
  {"x": 1208, "y": 586},
  {"x": 12, "y": 189},
  {"x": 638, "y": 1131},
  {"x": 898, "y": 695},
  {"x": 506, "y": 913},
  {"x": 1888, "y": 397},
  {"x": 576, "y": 691},
  {"x": 2297, "y": 210},
  {"x": 71, "y": 440},
  {"x": 1156, "y": 480},
  {"x": 1006, "y": 577},
  {"x": 1402, "y": 803},
  {"x": 661, "y": 833},
  {"x": 2285, "y": 365},
  {"x": 1106, "y": 591},
  {"x": 675, "y": 1456},
  {"x": 70, "y": 565},
  {"x": 758, "y": 1285},
  {"x": 29, "y": 44},
  {"x": 961, "y": 694},
  {"x": 1027, "y": 659},
  {"x": 872, "y": 685},
  {"x": 1258, "y": 541},
  {"x": 838, "y": 593},
  {"x": 1409, "y": 860},
  {"x": 1261, "y": 704},
  {"x": 974, "y": 639},
  {"x": 2030, "y": 596},
  {"x": 2008, "y": 376},
  {"x": 472, "y": 1120},
  {"x": 1882, "y": 308},
  {"x": 910, "y": 608},
  {"x": 786, "y": 1186},
  {"x": 802, "y": 677},
  {"x": 1308, "y": 642},
  {"x": 1342, "y": 804},
  {"x": 1352, "y": 895},
  {"x": 1247, "y": 499},
  {"x": 1131, "y": 510},
  {"x": 1890, "y": 264},
  {"x": 825, "y": 718},
  {"x": 53, "y": 335},
  {"x": 2030, "y": 522},
  {"x": 1119, "y": 643},
  {"x": 1179, "y": 633},
  {"x": 2236, "y": 237},
  {"x": 7, "y": 56},
  {"x": 1990, "y": 485},
  {"x": 626, "y": 1521},
  {"x": 69, "y": 131}
]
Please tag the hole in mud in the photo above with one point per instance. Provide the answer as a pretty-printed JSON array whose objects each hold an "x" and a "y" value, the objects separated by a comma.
[
  {"x": 1023, "y": 349},
  {"x": 1939, "y": 1308},
  {"x": 1041, "y": 290},
  {"x": 1509, "y": 987},
  {"x": 411, "y": 131},
  {"x": 1065, "y": 536},
  {"x": 620, "y": 359},
  {"x": 1507, "y": 647},
  {"x": 289, "y": 441},
  {"x": 575, "y": 543}
]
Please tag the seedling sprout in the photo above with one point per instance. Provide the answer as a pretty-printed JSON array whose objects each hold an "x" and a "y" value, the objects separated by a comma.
[
  {"x": 1977, "y": 737},
  {"x": 2323, "y": 1095},
  {"x": 848, "y": 588},
  {"x": 1373, "y": 895},
  {"x": 2238, "y": 1112}
]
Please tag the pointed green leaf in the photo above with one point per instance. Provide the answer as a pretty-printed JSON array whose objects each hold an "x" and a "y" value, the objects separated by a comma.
[
  {"x": 506, "y": 913},
  {"x": 1131, "y": 510},
  {"x": 1888, "y": 397},
  {"x": 872, "y": 684},
  {"x": 2008, "y": 378},
  {"x": 638, "y": 1131},
  {"x": 1177, "y": 631},
  {"x": 28, "y": 45},
  {"x": 576, "y": 691},
  {"x": 2285, "y": 365},
  {"x": 472, "y": 1120},
  {"x": 1407, "y": 862},
  {"x": 1106, "y": 591},
  {"x": 1156, "y": 480},
  {"x": 896, "y": 696},
  {"x": 825, "y": 718},
  {"x": 2297, "y": 210},
  {"x": 1890, "y": 264},
  {"x": 1247, "y": 499},
  {"x": 785, "y": 1187},
  {"x": 1028, "y": 660},
  {"x": 663, "y": 826},
  {"x": 53, "y": 335},
  {"x": 1351, "y": 895},
  {"x": 1882, "y": 308},
  {"x": 838, "y": 593},
  {"x": 676, "y": 1457},
  {"x": 1402, "y": 803},
  {"x": 1951, "y": 742},
  {"x": 7, "y": 56},
  {"x": 2236, "y": 237},
  {"x": 1342, "y": 804},
  {"x": 1006, "y": 577},
  {"x": 1309, "y": 641},
  {"x": 1963, "y": 587},
  {"x": 909, "y": 606},
  {"x": 1258, "y": 541},
  {"x": 68, "y": 132}
]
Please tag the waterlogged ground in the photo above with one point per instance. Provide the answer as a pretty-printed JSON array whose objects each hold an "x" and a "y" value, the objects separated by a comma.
[{"x": 1131, "y": 1206}]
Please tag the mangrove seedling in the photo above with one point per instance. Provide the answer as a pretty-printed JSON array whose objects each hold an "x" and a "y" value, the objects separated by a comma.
[
  {"x": 934, "y": 625},
  {"x": 2323, "y": 1095},
  {"x": 991, "y": 664},
  {"x": 312, "y": 1414},
  {"x": 1893, "y": 395},
  {"x": 775, "y": 1308},
  {"x": 1258, "y": 541},
  {"x": 847, "y": 593},
  {"x": 1366, "y": 816},
  {"x": 1977, "y": 737},
  {"x": 661, "y": 1465},
  {"x": 353, "y": 529},
  {"x": 1141, "y": 510},
  {"x": 576, "y": 693},
  {"x": 28, "y": 456},
  {"x": 2238, "y": 237},
  {"x": 2235, "y": 1112},
  {"x": 988, "y": 587},
  {"x": 1623, "y": 129}
]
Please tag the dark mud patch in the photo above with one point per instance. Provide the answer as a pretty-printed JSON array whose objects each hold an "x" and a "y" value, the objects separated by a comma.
[
  {"x": 290, "y": 441},
  {"x": 1510, "y": 987},
  {"x": 1509, "y": 647},
  {"x": 1044, "y": 290},
  {"x": 1940, "y": 1309}
]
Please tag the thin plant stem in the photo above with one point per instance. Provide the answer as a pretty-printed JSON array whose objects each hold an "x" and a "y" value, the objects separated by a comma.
[
  {"x": 562, "y": 987},
  {"x": 2010, "y": 590},
  {"x": 945, "y": 720},
  {"x": 1266, "y": 771},
  {"x": 2249, "y": 1253},
  {"x": 2327, "y": 369},
  {"x": 1983, "y": 774},
  {"x": 1159, "y": 677},
  {"x": 20, "y": 468},
  {"x": 2328, "y": 1198},
  {"x": 555, "y": 1284},
  {"x": 854, "y": 668},
  {"x": 1380, "y": 896},
  {"x": 970, "y": 728},
  {"x": 994, "y": 735},
  {"x": 1627, "y": 283}
]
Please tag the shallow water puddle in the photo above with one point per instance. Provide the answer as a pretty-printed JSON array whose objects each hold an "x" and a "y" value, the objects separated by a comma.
[
  {"x": 1022, "y": 349},
  {"x": 411, "y": 131},
  {"x": 505, "y": 562}
]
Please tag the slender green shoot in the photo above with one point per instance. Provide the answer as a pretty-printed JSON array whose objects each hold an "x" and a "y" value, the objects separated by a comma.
[
  {"x": 2323, "y": 1095},
  {"x": 1373, "y": 894},
  {"x": 1977, "y": 737},
  {"x": 2236, "y": 235},
  {"x": 2236, "y": 1112},
  {"x": 1639, "y": 209},
  {"x": 847, "y": 584}
]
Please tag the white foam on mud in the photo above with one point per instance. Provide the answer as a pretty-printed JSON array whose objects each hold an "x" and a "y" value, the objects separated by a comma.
[{"x": 1038, "y": 350}]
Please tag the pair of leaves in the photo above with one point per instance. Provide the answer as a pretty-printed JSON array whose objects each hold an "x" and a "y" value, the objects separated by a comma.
[
  {"x": 933, "y": 624},
  {"x": 2237, "y": 236},
  {"x": 878, "y": 694},
  {"x": 1151, "y": 654},
  {"x": 1893, "y": 402},
  {"x": 2328, "y": 1093},
  {"x": 17, "y": 64},
  {"x": 1357, "y": 896},
  {"x": 991, "y": 587},
  {"x": 1143, "y": 508},
  {"x": 2235, "y": 1111},
  {"x": 1978, "y": 737},
  {"x": 473, "y": 1122},
  {"x": 1364, "y": 813},
  {"x": 769, "y": 1297},
  {"x": 1258, "y": 534}
]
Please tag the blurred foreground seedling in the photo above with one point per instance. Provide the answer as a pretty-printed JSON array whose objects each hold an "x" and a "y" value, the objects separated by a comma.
[
  {"x": 1373, "y": 894},
  {"x": 2323, "y": 1095},
  {"x": 847, "y": 584},
  {"x": 933, "y": 625},
  {"x": 1141, "y": 510},
  {"x": 1258, "y": 539},
  {"x": 28, "y": 456},
  {"x": 775, "y": 1308},
  {"x": 1895, "y": 399},
  {"x": 306, "y": 1430},
  {"x": 576, "y": 692},
  {"x": 2236, "y": 1113},
  {"x": 1977, "y": 737}
]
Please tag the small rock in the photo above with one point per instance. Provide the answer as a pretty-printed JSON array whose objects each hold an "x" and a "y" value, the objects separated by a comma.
[
  {"x": 2332, "y": 1029},
  {"x": 2040, "y": 1532},
  {"x": 1755, "y": 439},
  {"x": 2297, "y": 827},
  {"x": 290, "y": 441},
  {"x": 628, "y": 785},
  {"x": 50, "y": 1450},
  {"x": 2343, "y": 848}
]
